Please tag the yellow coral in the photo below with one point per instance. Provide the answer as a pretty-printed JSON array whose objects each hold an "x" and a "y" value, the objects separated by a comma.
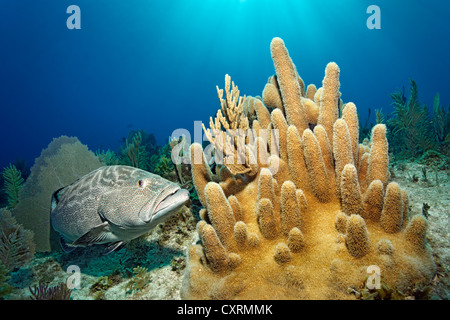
[
  {"x": 282, "y": 253},
  {"x": 289, "y": 208},
  {"x": 315, "y": 164},
  {"x": 373, "y": 200},
  {"x": 351, "y": 198},
  {"x": 329, "y": 97},
  {"x": 312, "y": 214},
  {"x": 379, "y": 157},
  {"x": 392, "y": 214},
  {"x": 350, "y": 116},
  {"x": 266, "y": 218},
  {"x": 288, "y": 81},
  {"x": 416, "y": 231},
  {"x": 357, "y": 238},
  {"x": 311, "y": 91},
  {"x": 201, "y": 173},
  {"x": 342, "y": 149},
  {"x": 271, "y": 97}
]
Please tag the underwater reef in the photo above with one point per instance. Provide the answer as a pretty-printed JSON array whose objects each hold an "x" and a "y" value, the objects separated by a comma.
[
  {"x": 153, "y": 260},
  {"x": 303, "y": 210},
  {"x": 306, "y": 217}
]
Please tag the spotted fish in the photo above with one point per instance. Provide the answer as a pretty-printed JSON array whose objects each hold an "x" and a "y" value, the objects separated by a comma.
[{"x": 113, "y": 205}]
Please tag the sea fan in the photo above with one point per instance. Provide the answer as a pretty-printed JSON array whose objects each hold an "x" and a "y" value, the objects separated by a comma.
[{"x": 64, "y": 160}]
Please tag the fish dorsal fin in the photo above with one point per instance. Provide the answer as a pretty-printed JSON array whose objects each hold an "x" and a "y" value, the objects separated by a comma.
[
  {"x": 56, "y": 196},
  {"x": 98, "y": 234}
]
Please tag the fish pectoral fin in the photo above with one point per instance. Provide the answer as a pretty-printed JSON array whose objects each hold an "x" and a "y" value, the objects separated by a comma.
[
  {"x": 114, "y": 247},
  {"x": 98, "y": 234},
  {"x": 65, "y": 246}
]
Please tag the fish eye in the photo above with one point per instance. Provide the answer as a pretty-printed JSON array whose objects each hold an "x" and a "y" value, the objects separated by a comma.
[{"x": 141, "y": 183}]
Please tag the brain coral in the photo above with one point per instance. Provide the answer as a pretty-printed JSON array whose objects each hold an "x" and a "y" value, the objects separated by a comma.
[{"x": 303, "y": 218}]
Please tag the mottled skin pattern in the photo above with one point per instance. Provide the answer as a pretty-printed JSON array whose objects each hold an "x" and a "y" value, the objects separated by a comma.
[{"x": 113, "y": 204}]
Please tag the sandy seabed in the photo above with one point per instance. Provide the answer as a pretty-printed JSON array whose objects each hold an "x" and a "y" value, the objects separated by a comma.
[{"x": 165, "y": 272}]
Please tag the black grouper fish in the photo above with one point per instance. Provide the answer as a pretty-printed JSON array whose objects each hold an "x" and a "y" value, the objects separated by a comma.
[{"x": 113, "y": 205}]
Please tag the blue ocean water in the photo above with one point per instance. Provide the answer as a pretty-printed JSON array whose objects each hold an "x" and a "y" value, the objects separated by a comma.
[{"x": 154, "y": 64}]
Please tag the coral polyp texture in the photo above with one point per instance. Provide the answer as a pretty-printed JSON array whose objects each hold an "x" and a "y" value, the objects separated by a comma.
[{"x": 309, "y": 208}]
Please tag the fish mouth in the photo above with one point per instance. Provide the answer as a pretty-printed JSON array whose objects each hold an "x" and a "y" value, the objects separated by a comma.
[{"x": 169, "y": 204}]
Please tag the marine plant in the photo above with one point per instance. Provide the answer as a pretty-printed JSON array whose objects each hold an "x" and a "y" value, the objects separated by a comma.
[
  {"x": 17, "y": 247},
  {"x": 162, "y": 163},
  {"x": 424, "y": 174},
  {"x": 435, "y": 160},
  {"x": 42, "y": 291},
  {"x": 100, "y": 286},
  {"x": 425, "y": 208},
  {"x": 102, "y": 283},
  {"x": 164, "y": 166},
  {"x": 178, "y": 148},
  {"x": 410, "y": 126},
  {"x": 303, "y": 218},
  {"x": 441, "y": 123},
  {"x": 379, "y": 116},
  {"x": 132, "y": 149},
  {"x": 108, "y": 157},
  {"x": 13, "y": 181},
  {"x": 148, "y": 140},
  {"x": 178, "y": 264},
  {"x": 5, "y": 288},
  {"x": 140, "y": 279},
  {"x": 383, "y": 292},
  {"x": 139, "y": 149}
]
